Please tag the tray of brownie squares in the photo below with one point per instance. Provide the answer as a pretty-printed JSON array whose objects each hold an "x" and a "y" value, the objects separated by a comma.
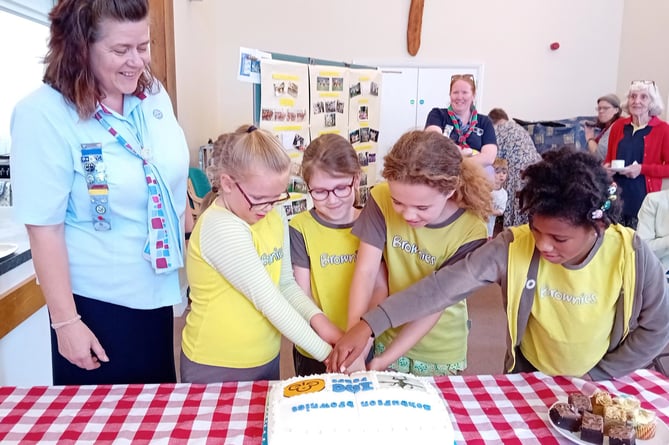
[{"x": 607, "y": 419}]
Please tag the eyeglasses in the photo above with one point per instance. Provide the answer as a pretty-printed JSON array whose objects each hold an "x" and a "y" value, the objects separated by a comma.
[
  {"x": 341, "y": 191},
  {"x": 455, "y": 77},
  {"x": 604, "y": 108},
  {"x": 638, "y": 83},
  {"x": 259, "y": 206}
]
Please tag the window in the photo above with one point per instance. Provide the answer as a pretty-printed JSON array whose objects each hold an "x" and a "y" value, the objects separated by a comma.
[{"x": 22, "y": 65}]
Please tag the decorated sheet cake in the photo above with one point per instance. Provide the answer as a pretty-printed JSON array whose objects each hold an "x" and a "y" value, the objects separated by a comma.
[{"x": 361, "y": 408}]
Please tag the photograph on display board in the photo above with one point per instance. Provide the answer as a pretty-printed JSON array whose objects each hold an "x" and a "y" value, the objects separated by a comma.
[
  {"x": 284, "y": 102},
  {"x": 364, "y": 195},
  {"x": 249, "y": 64},
  {"x": 329, "y": 100},
  {"x": 364, "y": 119}
]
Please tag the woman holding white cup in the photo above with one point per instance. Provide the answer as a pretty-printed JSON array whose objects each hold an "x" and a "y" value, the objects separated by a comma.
[{"x": 638, "y": 151}]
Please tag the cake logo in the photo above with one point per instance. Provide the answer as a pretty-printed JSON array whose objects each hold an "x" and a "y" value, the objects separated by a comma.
[
  {"x": 351, "y": 385},
  {"x": 401, "y": 381},
  {"x": 303, "y": 387}
]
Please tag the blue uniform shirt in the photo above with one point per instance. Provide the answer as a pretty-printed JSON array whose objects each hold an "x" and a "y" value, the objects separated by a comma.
[{"x": 50, "y": 188}]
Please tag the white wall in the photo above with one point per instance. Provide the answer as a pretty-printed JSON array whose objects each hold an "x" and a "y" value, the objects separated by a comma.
[
  {"x": 521, "y": 73},
  {"x": 644, "y": 46}
]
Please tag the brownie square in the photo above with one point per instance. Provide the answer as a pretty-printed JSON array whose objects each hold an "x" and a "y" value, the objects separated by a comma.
[
  {"x": 565, "y": 416},
  {"x": 580, "y": 401},
  {"x": 614, "y": 415},
  {"x": 622, "y": 435},
  {"x": 600, "y": 399},
  {"x": 592, "y": 428}
]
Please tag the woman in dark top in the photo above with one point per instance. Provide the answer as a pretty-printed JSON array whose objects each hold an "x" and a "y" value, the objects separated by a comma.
[
  {"x": 473, "y": 132},
  {"x": 642, "y": 141}
]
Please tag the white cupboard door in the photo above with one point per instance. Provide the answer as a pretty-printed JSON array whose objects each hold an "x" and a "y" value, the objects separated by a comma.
[
  {"x": 433, "y": 91},
  {"x": 398, "y": 108}
]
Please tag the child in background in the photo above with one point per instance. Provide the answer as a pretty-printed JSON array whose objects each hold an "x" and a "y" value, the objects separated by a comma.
[
  {"x": 323, "y": 250},
  {"x": 243, "y": 292},
  {"x": 584, "y": 295},
  {"x": 430, "y": 213},
  {"x": 499, "y": 194}
]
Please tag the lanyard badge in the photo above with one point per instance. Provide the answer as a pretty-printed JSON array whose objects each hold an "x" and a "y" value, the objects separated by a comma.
[{"x": 95, "y": 172}]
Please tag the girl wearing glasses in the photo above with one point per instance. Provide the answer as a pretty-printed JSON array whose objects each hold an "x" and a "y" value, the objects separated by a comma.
[
  {"x": 642, "y": 142},
  {"x": 471, "y": 131},
  {"x": 323, "y": 250},
  {"x": 243, "y": 292},
  {"x": 430, "y": 213}
]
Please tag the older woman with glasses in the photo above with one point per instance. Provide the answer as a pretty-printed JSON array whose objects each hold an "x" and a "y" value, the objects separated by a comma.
[
  {"x": 471, "y": 131},
  {"x": 608, "y": 111},
  {"x": 638, "y": 151}
]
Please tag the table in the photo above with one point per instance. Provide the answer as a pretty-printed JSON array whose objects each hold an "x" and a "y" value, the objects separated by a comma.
[{"x": 509, "y": 409}]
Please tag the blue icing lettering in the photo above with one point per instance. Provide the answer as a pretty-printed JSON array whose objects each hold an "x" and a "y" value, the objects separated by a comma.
[
  {"x": 352, "y": 387},
  {"x": 323, "y": 405},
  {"x": 393, "y": 402}
]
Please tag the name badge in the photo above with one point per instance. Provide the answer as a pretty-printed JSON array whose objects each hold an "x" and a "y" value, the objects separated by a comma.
[{"x": 95, "y": 173}]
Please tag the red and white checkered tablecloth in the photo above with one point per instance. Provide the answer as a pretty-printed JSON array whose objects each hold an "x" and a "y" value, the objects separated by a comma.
[
  {"x": 508, "y": 409},
  {"x": 512, "y": 409}
]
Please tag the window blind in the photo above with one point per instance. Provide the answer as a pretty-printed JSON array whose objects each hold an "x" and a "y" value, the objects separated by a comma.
[{"x": 36, "y": 10}]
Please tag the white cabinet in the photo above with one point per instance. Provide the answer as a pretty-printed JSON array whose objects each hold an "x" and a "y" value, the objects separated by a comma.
[{"x": 408, "y": 95}]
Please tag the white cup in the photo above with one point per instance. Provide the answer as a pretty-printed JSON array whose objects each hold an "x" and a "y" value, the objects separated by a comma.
[{"x": 618, "y": 164}]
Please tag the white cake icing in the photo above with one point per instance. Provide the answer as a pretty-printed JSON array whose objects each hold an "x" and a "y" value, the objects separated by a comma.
[{"x": 363, "y": 408}]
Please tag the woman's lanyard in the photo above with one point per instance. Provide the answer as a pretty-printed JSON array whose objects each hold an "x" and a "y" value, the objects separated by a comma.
[
  {"x": 162, "y": 227},
  {"x": 473, "y": 120}
]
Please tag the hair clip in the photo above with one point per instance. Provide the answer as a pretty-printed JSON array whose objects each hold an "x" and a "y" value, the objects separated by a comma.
[
  {"x": 251, "y": 129},
  {"x": 599, "y": 213},
  {"x": 613, "y": 188}
]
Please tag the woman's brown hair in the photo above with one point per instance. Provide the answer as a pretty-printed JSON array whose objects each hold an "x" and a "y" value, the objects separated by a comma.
[
  {"x": 432, "y": 159},
  {"x": 74, "y": 27},
  {"x": 468, "y": 78}
]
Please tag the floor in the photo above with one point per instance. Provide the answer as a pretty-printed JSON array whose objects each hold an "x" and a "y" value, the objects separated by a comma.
[{"x": 486, "y": 339}]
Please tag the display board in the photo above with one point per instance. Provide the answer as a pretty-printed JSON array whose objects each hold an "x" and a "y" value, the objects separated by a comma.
[{"x": 299, "y": 99}]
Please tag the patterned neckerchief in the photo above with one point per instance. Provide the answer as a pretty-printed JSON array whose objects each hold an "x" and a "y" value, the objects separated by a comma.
[
  {"x": 473, "y": 120},
  {"x": 163, "y": 245}
]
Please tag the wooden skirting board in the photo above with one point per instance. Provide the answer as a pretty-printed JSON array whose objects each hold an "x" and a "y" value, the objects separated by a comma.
[{"x": 18, "y": 304}]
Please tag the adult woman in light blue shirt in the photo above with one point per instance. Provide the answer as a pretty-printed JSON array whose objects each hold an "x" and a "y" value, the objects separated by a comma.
[{"x": 99, "y": 170}]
